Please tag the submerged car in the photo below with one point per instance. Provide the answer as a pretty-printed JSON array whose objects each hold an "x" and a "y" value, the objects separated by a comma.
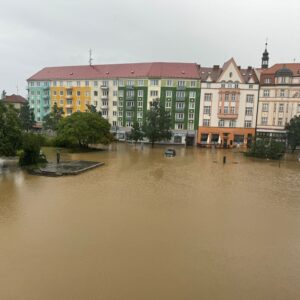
[{"x": 170, "y": 153}]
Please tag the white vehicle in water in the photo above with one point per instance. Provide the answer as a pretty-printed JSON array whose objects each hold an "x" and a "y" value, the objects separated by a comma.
[{"x": 170, "y": 153}]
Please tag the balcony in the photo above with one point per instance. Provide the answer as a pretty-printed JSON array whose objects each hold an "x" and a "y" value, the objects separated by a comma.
[
  {"x": 69, "y": 88},
  {"x": 104, "y": 106},
  {"x": 181, "y": 88},
  {"x": 129, "y": 97},
  {"x": 129, "y": 107},
  {"x": 179, "y": 108},
  {"x": 228, "y": 116},
  {"x": 129, "y": 87},
  {"x": 69, "y": 96},
  {"x": 104, "y": 97},
  {"x": 46, "y": 88},
  {"x": 104, "y": 87},
  {"x": 46, "y": 96},
  {"x": 180, "y": 98},
  {"x": 179, "y": 120}
]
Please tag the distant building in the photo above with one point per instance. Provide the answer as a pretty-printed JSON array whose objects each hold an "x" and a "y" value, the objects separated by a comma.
[
  {"x": 16, "y": 100},
  {"x": 279, "y": 99},
  {"x": 228, "y": 105},
  {"x": 122, "y": 93}
]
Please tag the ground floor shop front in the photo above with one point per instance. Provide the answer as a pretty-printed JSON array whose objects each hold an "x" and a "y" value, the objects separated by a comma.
[{"x": 225, "y": 137}]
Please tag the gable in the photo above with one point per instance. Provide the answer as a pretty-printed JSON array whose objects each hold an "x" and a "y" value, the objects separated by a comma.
[{"x": 231, "y": 73}]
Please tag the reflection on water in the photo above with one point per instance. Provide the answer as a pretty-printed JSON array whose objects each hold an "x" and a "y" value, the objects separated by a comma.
[{"x": 149, "y": 227}]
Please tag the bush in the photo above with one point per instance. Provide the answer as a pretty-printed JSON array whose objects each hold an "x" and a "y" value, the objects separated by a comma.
[
  {"x": 31, "y": 147},
  {"x": 267, "y": 149}
]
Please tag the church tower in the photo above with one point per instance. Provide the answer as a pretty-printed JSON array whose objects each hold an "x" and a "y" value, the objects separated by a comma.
[{"x": 265, "y": 58}]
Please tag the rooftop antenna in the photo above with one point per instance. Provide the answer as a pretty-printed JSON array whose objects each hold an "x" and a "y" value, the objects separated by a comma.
[
  {"x": 294, "y": 60},
  {"x": 17, "y": 89},
  {"x": 91, "y": 59}
]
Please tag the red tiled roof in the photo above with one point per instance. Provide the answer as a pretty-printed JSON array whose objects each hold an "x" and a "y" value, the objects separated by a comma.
[
  {"x": 133, "y": 70},
  {"x": 14, "y": 99},
  {"x": 294, "y": 67}
]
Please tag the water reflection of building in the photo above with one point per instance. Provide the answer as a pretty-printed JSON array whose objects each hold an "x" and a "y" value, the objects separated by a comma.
[
  {"x": 228, "y": 105},
  {"x": 123, "y": 93},
  {"x": 279, "y": 99}
]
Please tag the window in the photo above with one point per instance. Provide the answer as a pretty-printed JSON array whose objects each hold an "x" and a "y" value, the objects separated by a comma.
[
  {"x": 130, "y": 104},
  {"x": 61, "y": 102},
  {"x": 115, "y": 82},
  {"x": 265, "y": 107},
  {"x": 180, "y": 94},
  {"x": 78, "y": 83},
  {"x": 61, "y": 93},
  {"x": 206, "y": 122},
  {"x": 169, "y": 94},
  {"x": 222, "y": 84},
  {"x": 232, "y": 123},
  {"x": 193, "y": 83},
  {"x": 179, "y": 126},
  {"x": 191, "y": 126},
  {"x": 95, "y": 93},
  {"x": 129, "y": 114},
  {"x": 121, "y": 93},
  {"x": 54, "y": 93},
  {"x": 114, "y": 113},
  {"x": 115, "y": 93},
  {"x": 279, "y": 121},
  {"x": 140, "y": 93},
  {"x": 250, "y": 86},
  {"x": 121, "y": 103},
  {"x": 192, "y": 94},
  {"x": 281, "y": 107},
  {"x": 61, "y": 83},
  {"x": 154, "y": 82},
  {"x": 192, "y": 105},
  {"x": 168, "y": 104},
  {"x": 130, "y": 83},
  {"x": 180, "y": 105},
  {"x": 69, "y": 102},
  {"x": 221, "y": 123},
  {"x": 226, "y": 110},
  {"x": 207, "y": 110},
  {"x": 264, "y": 121},
  {"x": 179, "y": 116},
  {"x": 250, "y": 98},
  {"x": 87, "y": 83},
  {"x": 181, "y": 83},
  {"x": 105, "y": 83},
  {"x": 153, "y": 93},
  {"x": 78, "y": 102},
  {"x": 232, "y": 109},
  {"x": 249, "y": 111},
  {"x": 121, "y": 82},
  {"x": 267, "y": 80},
  {"x": 140, "y": 82},
  {"x": 282, "y": 93},
  {"x": 38, "y": 83},
  {"x": 207, "y": 97},
  {"x": 104, "y": 112},
  {"x": 248, "y": 124},
  {"x": 69, "y": 92},
  {"x": 115, "y": 103},
  {"x": 140, "y": 114},
  {"x": 120, "y": 114},
  {"x": 233, "y": 97},
  {"x": 69, "y": 83},
  {"x": 87, "y": 94},
  {"x": 169, "y": 82},
  {"x": 130, "y": 94},
  {"x": 104, "y": 102},
  {"x": 140, "y": 104},
  {"x": 32, "y": 83},
  {"x": 236, "y": 85},
  {"x": 191, "y": 116},
  {"x": 54, "y": 83},
  {"x": 266, "y": 93},
  {"x": 226, "y": 97}
]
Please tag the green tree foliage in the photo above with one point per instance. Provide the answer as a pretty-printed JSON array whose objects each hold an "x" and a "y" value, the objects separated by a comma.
[
  {"x": 136, "y": 133},
  {"x": 92, "y": 108},
  {"x": 31, "y": 147},
  {"x": 52, "y": 120},
  {"x": 158, "y": 123},
  {"x": 3, "y": 95},
  {"x": 266, "y": 148},
  {"x": 83, "y": 128},
  {"x": 10, "y": 130},
  {"x": 293, "y": 132},
  {"x": 27, "y": 117}
]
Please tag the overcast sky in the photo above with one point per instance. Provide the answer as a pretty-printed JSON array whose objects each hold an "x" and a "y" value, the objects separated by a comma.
[{"x": 39, "y": 33}]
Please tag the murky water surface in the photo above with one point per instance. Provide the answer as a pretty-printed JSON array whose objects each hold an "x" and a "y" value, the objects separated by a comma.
[{"x": 149, "y": 227}]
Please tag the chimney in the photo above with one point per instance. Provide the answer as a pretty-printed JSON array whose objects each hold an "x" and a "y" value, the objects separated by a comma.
[{"x": 215, "y": 67}]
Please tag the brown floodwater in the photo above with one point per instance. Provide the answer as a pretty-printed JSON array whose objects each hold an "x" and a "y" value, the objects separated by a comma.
[{"x": 148, "y": 227}]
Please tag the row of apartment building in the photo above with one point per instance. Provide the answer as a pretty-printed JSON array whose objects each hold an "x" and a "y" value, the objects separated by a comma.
[{"x": 225, "y": 105}]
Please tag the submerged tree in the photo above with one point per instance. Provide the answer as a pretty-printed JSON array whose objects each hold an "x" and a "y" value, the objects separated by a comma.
[
  {"x": 136, "y": 133},
  {"x": 84, "y": 128},
  {"x": 10, "y": 130},
  {"x": 158, "y": 123},
  {"x": 52, "y": 120},
  {"x": 293, "y": 132},
  {"x": 27, "y": 117}
]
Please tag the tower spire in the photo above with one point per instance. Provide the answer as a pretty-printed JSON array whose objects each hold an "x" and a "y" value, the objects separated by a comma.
[
  {"x": 265, "y": 57},
  {"x": 90, "y": 59}
]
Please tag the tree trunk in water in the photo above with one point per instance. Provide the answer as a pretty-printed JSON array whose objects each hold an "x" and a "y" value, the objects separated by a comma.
[{"x": 152, "y": 144}]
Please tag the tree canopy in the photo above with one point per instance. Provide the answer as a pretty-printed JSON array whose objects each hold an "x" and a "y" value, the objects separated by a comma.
[
  {"x": 158, "y": 123},
  {"x": 84, "y": 128},
  {"x": 52, "y": 120},
  {"x": 10, "y": 130},
  {"x": 136, "y": 133},
  {"x": 27, "y": 117},
  {"x": 293, "y": 132}
]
